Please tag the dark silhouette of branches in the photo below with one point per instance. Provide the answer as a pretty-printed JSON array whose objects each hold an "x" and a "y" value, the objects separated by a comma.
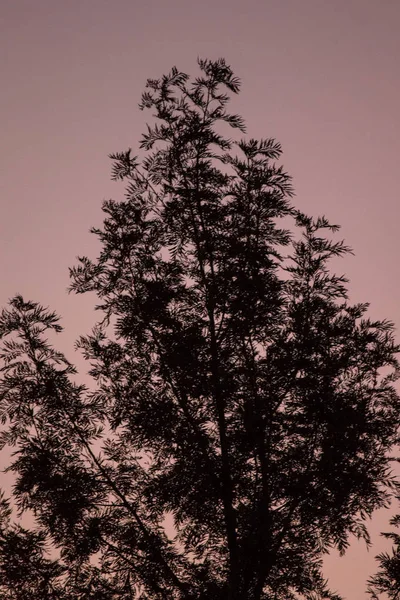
[{"x": 243, "y": 411}]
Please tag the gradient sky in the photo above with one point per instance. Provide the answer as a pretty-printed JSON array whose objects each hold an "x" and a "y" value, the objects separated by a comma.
[{"x": 322, "y": 76}]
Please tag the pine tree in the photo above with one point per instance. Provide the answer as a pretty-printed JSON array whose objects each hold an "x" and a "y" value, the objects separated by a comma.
[{"x": 242, "y": 410}]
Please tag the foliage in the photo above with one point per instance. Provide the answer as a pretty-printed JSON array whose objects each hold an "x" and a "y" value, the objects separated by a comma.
[
  {"x": 386, "y": 582},
  {"x": 240, "y": 423}
]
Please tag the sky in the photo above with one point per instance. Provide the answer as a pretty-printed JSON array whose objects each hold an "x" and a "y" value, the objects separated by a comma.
[{"x": 321, "y": 76}]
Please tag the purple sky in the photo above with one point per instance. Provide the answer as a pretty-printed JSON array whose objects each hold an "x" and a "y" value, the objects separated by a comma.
[{"x": 322, "y": 76}]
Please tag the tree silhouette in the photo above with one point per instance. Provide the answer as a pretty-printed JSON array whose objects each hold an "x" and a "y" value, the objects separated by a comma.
[
  {"x": 240, "y": 421},
  {"x": 386, "y": 582}
]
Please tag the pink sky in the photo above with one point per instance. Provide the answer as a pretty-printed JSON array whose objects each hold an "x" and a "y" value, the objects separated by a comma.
[{"x": 322, "y": 76}]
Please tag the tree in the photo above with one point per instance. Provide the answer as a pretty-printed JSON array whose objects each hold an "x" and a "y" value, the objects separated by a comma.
[
  {"x": 240, "y": 423},
  {"x": 387, "y": 579}
]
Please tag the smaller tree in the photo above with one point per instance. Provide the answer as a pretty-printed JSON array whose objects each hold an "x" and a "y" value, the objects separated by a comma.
[{"x": 386, "y": 582}]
